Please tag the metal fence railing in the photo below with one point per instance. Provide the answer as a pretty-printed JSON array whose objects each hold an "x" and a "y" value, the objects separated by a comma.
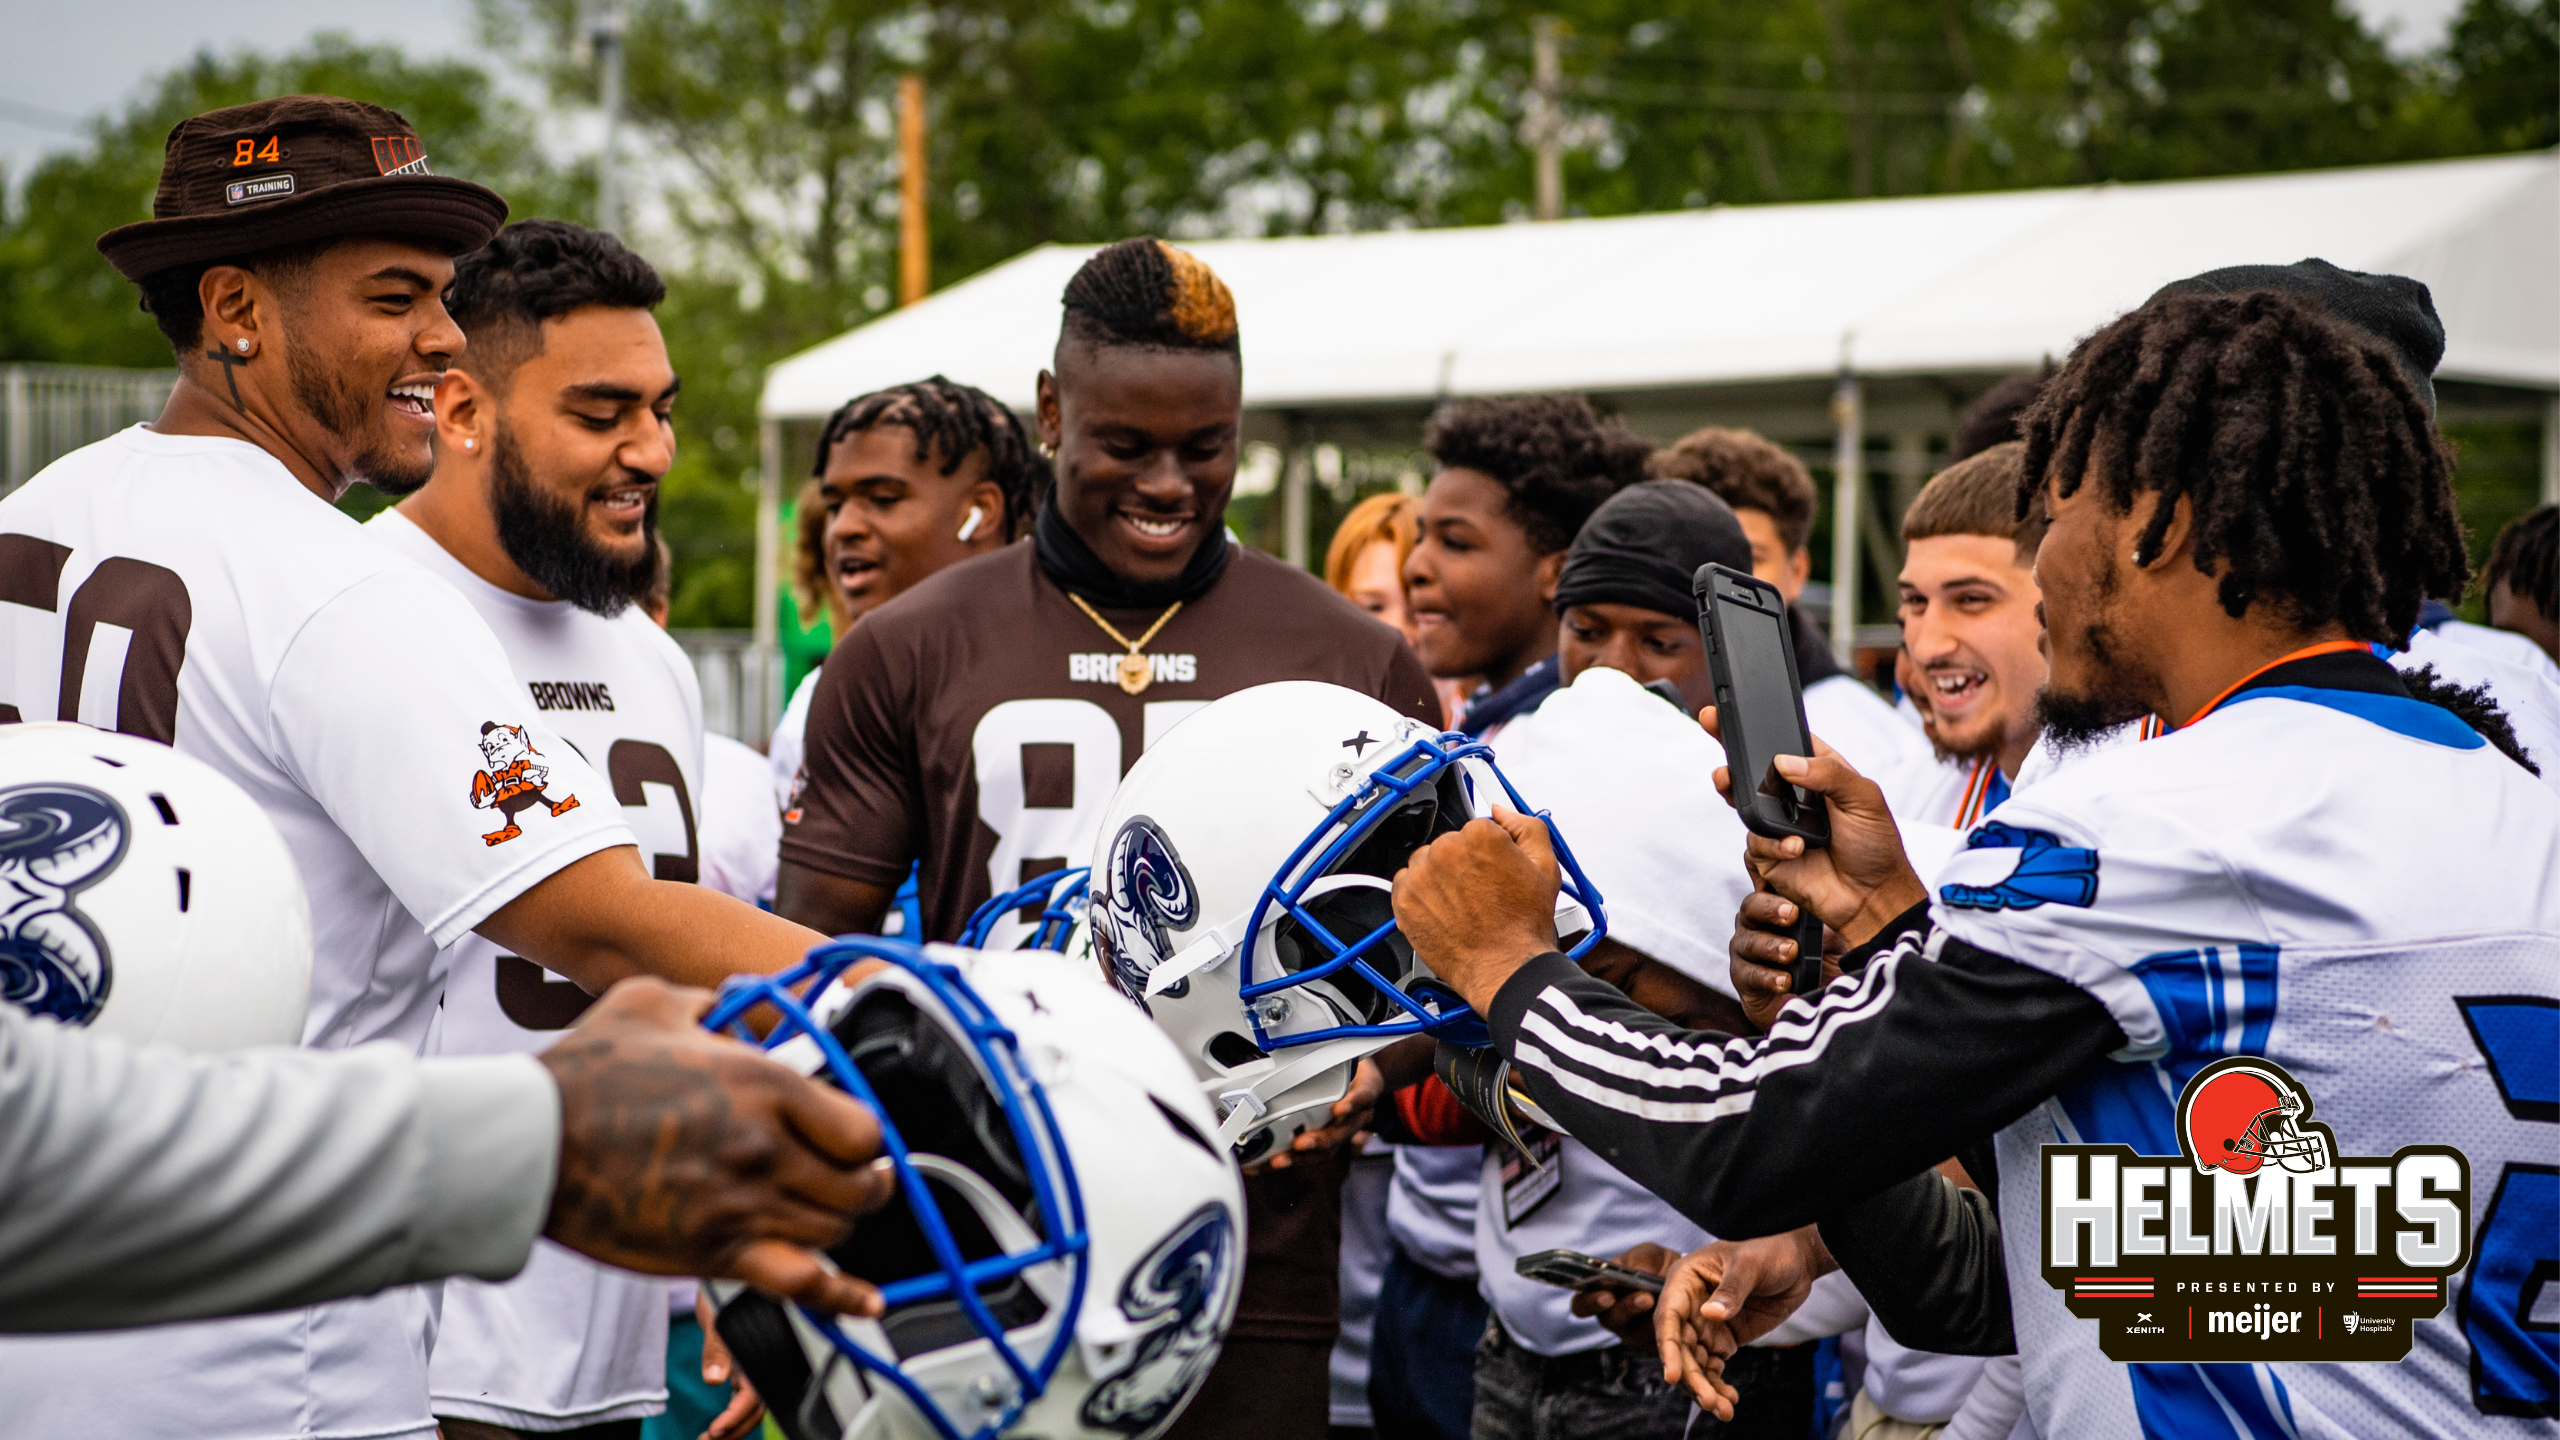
[
  {"x": 48, "y": 411},
  {"x": 741, "y": 686}
]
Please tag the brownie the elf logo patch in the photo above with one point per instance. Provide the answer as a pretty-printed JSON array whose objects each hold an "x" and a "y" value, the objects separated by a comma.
[
  {"x": 512, "y": 781},
  {"x": 2258, "y": 1241}
]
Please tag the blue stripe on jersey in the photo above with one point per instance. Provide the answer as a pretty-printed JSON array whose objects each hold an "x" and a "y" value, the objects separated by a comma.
[
  {"x": 2189, "y": 1402},
  {"x": 2213, "y": 1001},
  {"x": 2123, "y": 1105},
  {"x": 2396, "y": 713}
]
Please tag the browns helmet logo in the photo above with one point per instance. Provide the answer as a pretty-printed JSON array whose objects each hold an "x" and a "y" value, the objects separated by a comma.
[
  {"x": 513, "y": 781},
  {"x": 2244, "y": 1114}
]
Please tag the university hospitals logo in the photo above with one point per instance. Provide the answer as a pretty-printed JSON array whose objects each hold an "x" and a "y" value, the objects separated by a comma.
[{"x": 2258, "y": 1241}]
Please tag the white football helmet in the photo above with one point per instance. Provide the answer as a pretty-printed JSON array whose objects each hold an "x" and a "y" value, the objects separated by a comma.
[
  {"x": 1065, "y": 1251},
  {"x": 1242, "y": 892},
  {"x": 144, "y": 895}
]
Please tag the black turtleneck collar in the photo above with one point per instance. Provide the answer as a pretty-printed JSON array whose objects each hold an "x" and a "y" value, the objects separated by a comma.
[{"x": 1071, "y": 563}]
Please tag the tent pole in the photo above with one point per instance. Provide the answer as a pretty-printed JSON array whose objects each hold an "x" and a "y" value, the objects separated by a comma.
[
  {"x": 2551, "y": 452},
  {"x": 1294, "y": 478},
  {"x": 761, "y": 704},
  {"x": 1848, "y": 460}
]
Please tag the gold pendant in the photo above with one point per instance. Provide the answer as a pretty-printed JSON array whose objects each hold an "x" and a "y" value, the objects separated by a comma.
[{"x": 1136, "y": 674}]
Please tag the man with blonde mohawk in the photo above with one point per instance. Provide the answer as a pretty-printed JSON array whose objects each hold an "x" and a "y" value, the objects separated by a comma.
[{"x": 977, "y": 724}]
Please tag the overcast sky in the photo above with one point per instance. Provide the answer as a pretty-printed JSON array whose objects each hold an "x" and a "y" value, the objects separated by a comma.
[{"x": 90, "y": 57}]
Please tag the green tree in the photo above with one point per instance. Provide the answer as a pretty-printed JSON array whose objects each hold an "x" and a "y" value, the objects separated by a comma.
[{"x": 60, "y": 301}]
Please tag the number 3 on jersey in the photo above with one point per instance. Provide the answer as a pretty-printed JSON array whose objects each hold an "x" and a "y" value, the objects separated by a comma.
[
  {"x": 2510, "y": 1305},
  {"x": 1046, "y": 770}
]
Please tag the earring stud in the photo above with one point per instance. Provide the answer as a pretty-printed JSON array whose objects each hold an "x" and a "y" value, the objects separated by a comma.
[
  {"x": 243, "y": 344},
  {"x": 470, "y": 444}
]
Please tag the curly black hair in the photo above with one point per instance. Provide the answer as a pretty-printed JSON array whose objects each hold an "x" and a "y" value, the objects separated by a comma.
[
  {"x": 2476, "y": 707},
  {"x": 953, "y": 421},
  {"x": 2526, "y": 559},
  {"x": 537, "y": 270},
  {"x": 1554, "y": 453},
  {"x": 1144, "y": 293},
  {"x": 2318, "y": 481}
]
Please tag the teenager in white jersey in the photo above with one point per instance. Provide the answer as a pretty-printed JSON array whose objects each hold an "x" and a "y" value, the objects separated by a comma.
[
  {"x": 189, "y": 581},
  {"x": 553, "y": 430},
  {"x": 2285, "y": 853}
]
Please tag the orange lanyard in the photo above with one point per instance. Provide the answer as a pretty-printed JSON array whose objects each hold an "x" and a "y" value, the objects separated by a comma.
[
  {"x": 1969, "y": 809},
  {"x": 2325, "y": 647}
]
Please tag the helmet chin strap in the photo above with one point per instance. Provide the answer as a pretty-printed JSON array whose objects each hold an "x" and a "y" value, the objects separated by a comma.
[{"x": 1244, "y": 1107}]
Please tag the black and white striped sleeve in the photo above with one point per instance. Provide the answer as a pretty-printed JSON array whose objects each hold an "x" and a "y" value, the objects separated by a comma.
[{"x": 1893, "y": 1070}]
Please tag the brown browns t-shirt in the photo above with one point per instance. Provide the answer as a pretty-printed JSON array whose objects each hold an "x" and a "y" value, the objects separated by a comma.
[{"x": 976, "y": 725}]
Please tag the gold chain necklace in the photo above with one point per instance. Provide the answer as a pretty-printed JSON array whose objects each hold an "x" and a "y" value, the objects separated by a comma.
[{"x": 1136, "y": 674}]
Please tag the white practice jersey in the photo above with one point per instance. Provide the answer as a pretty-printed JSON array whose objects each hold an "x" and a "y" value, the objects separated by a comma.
[
  {"x": 2351, "y": 885},
  {"x": 1869, "y": 732},
  {"x": 2520, "y": 688},
  {"x": 568, "y": 1341},
  {"x": 741, "y": 825},
  {"x": 2507, "y": 645},
  {"x": 190, "y": 589}
]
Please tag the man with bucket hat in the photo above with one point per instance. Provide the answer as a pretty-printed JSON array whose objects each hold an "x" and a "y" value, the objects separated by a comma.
[{"x": 189, "y": 581}]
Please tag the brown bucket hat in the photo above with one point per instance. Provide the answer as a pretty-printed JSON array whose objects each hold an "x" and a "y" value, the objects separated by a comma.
[{"x": 297, "y": 168}]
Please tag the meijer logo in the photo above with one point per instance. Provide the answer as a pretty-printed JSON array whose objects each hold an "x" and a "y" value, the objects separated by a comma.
[{"x": 2252, "y": 1242}]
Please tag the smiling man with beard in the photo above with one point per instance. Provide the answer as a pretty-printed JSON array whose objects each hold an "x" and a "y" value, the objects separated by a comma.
[
  {"x": 979, "y": 723},
  {"x": 553, "y": 428},
  {"x": 199, "y": 589}
]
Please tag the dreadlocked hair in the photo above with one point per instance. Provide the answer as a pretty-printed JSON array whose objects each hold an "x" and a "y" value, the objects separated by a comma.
[
  {"x": 2526, "y": 559},
  {"x": 2317, "y": 479},
  {"x": 2475, "y": 707},
  {"x": 953, "y": 421},
  {"x": 1143, "y": 292}
]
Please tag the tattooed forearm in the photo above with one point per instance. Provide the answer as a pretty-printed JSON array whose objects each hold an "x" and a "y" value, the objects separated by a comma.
[{"x": 681, "y": 1150}]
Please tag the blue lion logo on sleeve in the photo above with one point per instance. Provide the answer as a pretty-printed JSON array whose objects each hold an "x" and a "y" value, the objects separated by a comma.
[
  {"x": 1177, "y": 1288},
  {"x": 1147, "y": 894},
  {"x": 2048, "y": 873},
  {"x": 56, "y": 840}
]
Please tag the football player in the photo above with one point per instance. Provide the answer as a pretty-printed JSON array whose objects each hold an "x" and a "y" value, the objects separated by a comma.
[
  {"x": 2245, "y": 498},
  {"x": 978, "y": 725},
  {"x": 201, "y": 590},
  {"x": 552, "y": 432}
]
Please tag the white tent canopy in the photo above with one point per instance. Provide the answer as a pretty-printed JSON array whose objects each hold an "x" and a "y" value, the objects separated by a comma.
[
  {"x": 1678, "y": 317},
  {"x": 1958, "y": 283}
]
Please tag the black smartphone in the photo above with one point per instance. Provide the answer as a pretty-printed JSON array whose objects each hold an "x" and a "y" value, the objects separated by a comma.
[
  {"x": 1573, "y": 1270},
  {"x": 1760, "y": 711}
]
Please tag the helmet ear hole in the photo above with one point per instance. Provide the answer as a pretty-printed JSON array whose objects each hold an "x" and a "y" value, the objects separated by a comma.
[{"x": 1232, "y": 1051}]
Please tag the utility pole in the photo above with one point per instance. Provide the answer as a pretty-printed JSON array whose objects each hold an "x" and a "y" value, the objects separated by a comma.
[
  {"x": 605, "y": 25},
  {"x": 914, "y": 258},
  {"x": 1546, "y": 115}
]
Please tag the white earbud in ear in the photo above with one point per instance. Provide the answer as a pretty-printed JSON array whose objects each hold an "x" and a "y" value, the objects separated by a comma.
[{"x": 969, "y": 527}]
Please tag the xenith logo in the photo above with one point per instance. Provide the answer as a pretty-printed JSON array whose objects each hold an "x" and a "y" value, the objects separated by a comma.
[{"x": 2259, "y": 1241}]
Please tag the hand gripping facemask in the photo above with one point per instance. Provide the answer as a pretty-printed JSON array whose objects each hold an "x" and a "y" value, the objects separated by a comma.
[
  {"x": 1242, "y": 892},
  {"x": 1063, "y": 1253}
]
